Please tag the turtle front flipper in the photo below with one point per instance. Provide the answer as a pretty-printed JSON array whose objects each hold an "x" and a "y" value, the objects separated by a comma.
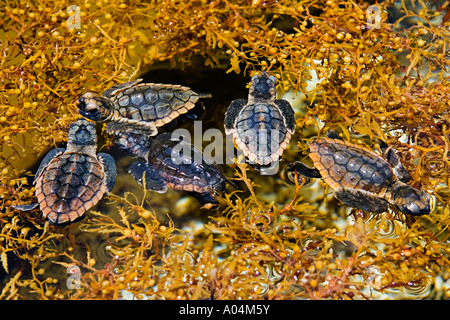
[
  {"x": 304, "y": 170},
  {"x": 361, "y": 200},
  {"x": 288, "y": 113},
  {"x": 232, "y": 113},
  {"x": 148, "y": 176},
  {"x": 205, "y": 198},
  {"x": 47, "y": 159},
  {"x": 120, "y": 87},
  {"x": 109, "y": 167},
  {"x": 26, "y": 207},
  {"x": 397, "y": 167},
  {"x": 134, "y": 142}
]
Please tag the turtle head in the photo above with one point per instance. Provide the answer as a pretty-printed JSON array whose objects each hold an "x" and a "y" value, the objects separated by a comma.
[
  {"x": 412, "y": 201},
  {"x": 94, "y": 107},
  {"x": 82, "y": 133},
  {"x": 262, "y": 87}
]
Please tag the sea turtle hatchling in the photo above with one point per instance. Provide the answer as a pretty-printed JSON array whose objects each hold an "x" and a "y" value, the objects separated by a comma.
[
  {"x": 143, "y": 106},
  {"x": 70, "y": 181},
  {"x": 262, "y": 125},
  {"x": 171, "y": 162},
  {"x": 363, "y": 179}
]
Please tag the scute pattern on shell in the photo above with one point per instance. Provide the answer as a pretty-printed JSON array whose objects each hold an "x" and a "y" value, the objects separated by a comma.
[
  {"x": 190, "y": 171},
  {"x": 363, "y": 179},
  {"x": 343, "y": 164},
  {"x": 158, "y": 103},
  {"x": 69, "y": 186},
  {"x": 169, "y": 161},
  {"x": 261, "y": 134},
  {"x": 262, "y": 125}
]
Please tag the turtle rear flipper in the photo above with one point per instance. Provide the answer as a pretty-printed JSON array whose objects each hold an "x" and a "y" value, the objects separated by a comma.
[
  {"x": 26, "y": 207},
  {"x": 148, "y": 176},
  {"x": 361, "y": 200},
  {"x": 195, "y": 113},
  {"x": 205, "y": 198},
  {"x": 304, "y": 170}
]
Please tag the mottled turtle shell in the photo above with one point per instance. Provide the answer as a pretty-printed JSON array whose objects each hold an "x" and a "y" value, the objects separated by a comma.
[
  {"x": 345, "y": 165},
  {"x": 363, "y": 179},
  {"x": 151, "y": 102},
  {"x": 69, "y": 186},
  {"x": 262, "y": 125},
  {"x": 184, "y": 167},
  {"x": 261, "y": 134},
  {"x": 141, "y": 105}
]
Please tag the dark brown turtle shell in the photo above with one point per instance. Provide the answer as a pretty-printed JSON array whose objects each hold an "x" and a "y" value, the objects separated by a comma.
[
  {"x": 69, "y": 186},
  {"x": 180, "y": 171},
  {"x": 70, "y": 181},
  {"x": 170, "y": 162}
]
